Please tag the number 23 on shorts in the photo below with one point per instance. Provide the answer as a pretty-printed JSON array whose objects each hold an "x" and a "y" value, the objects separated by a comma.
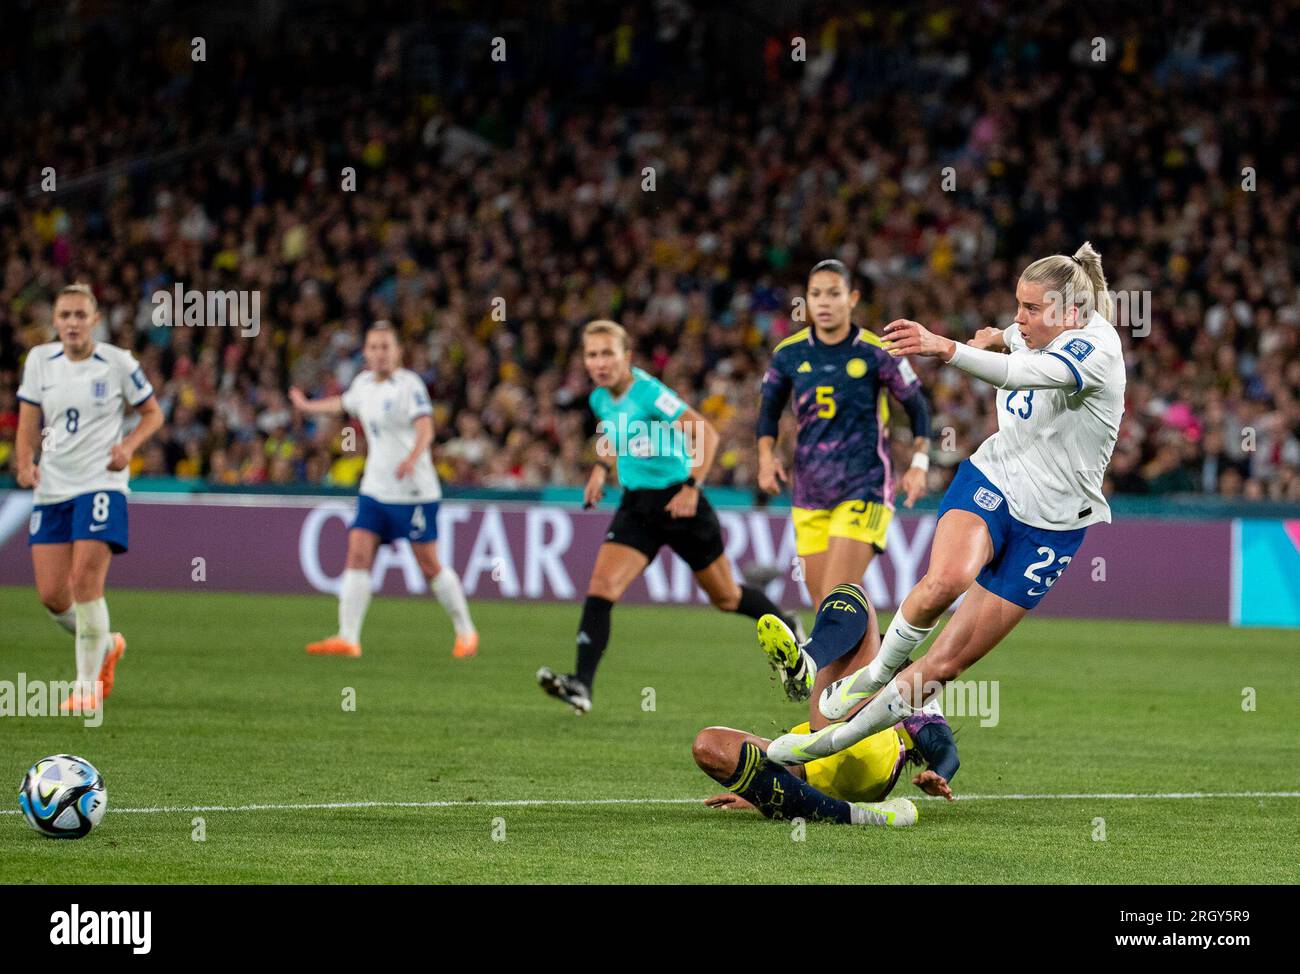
[{"x": 1047, "y": 556}]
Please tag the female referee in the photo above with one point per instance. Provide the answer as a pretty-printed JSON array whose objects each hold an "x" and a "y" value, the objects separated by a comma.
[
  {"x": 73, "y": 400},
  {"x": 1017, "y": 510},
  {"x": 662, "y": 450}
]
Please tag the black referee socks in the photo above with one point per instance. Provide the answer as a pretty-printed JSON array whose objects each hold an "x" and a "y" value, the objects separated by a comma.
[
  {"x": 755, "y": 603},
  {"x": 593, "y": 637}
]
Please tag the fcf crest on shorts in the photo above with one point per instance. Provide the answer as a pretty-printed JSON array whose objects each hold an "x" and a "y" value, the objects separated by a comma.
[
  {"x": 986, "y": 499},
  {"x": 35, "y": 524}
]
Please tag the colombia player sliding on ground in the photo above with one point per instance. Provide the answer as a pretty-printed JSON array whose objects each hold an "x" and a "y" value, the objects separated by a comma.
[
  {"x": 662, "y": 450},
  {"x": 851, "y": 787},
  {"x": 843, "y": 478},
  {"x": 1016, "y": 511}
]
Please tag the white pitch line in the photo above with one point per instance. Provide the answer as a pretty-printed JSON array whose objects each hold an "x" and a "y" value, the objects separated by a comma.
[{"x": 543, "y": 802}]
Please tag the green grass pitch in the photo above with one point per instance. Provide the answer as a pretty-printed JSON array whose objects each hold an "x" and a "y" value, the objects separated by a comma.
[{"x": 218, "y": 705}]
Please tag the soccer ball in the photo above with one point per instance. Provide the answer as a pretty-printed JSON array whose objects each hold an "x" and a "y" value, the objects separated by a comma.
[{"x": 63, "y": 796}]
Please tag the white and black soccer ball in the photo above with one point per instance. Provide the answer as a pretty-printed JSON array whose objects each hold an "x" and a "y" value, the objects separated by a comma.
[{"x": 63, "y": 796}]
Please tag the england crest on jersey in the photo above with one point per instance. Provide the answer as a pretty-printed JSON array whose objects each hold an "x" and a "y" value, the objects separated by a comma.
[
  {"x": 986, "y": 499},
  {"x": 100, "y": 390}
]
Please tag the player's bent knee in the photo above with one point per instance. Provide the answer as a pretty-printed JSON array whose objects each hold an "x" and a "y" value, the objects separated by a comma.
[
  {"x": 55, "y": 595},
  {"x": 940, "y": 589},
  {"x": 709, "y": 750},
  {"x": 56, "y": 602}
]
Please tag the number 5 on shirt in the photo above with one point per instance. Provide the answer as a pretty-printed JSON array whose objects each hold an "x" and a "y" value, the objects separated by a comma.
[{"x": 825, "y": 401}]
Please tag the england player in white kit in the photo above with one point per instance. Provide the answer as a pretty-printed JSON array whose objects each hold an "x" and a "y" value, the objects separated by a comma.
[
  {"x": 73, "y": 401},
  {"x": 1016, "y": 511},
  {"x": 400, "y": 492}
]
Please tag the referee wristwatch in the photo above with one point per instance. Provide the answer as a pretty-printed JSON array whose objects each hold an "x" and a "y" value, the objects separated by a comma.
[{"x": 690, "y": 482}]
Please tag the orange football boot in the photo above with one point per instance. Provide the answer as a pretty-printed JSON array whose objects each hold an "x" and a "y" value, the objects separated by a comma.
[
  {"x": 466, "y": 646},
  {"x": 334, "y": 646},
  {"x": 78, "y": 702},
  {"x": 111, "y": 659}
]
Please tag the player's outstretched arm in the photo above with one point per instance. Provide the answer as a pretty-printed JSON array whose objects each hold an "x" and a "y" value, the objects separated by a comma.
[
  {"x": 1019, "y": 370},
  {"x": 330, "y": 405}
]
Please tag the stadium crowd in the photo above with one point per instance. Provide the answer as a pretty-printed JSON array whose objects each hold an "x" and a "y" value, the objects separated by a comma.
[{"x": 623, "y": 169}]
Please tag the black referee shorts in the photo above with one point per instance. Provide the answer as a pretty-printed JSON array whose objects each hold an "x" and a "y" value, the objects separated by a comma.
[{"x": 642, "y": 523}]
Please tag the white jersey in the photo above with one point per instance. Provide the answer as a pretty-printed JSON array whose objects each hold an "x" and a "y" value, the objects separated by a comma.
[
  {"x": 83, "y": 406},
  {"x": 388, "y": 410},
  {"x": 1053, "y": 444}
]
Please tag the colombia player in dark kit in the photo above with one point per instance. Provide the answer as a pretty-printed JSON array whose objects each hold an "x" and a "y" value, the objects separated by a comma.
[{"x": 838, "y": 377}]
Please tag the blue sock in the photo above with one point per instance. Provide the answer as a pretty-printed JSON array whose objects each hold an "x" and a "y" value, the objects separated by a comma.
[
  {"x": 842, "y": 621},
  {"x": 777, "y": 793}
]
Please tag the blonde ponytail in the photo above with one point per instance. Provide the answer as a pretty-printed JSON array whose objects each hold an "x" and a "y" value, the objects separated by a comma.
[
  {"x": 1078, "y": 280},
  {"x": 1090, "y": 261}
]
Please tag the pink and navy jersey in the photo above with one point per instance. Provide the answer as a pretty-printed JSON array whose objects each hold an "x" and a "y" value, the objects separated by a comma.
[{"x": 839, "y": 393}]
